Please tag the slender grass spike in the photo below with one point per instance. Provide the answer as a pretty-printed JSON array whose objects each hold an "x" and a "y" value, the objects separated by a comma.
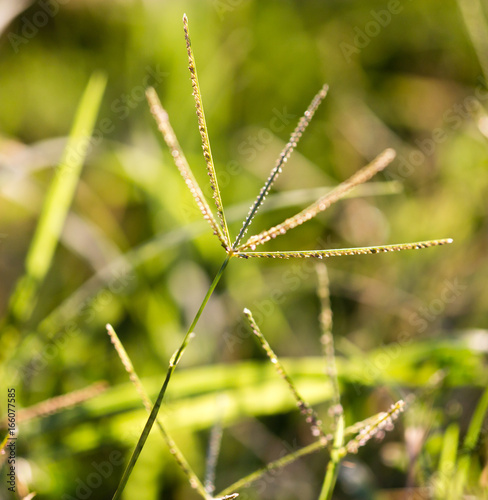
[
  {"x": 282, "y": 159},
  {"x": 173, "y": 448},
  {"x": 310, "y": 415}
]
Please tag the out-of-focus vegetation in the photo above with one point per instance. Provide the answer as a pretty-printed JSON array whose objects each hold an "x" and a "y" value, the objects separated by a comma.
[{"x": 134, "y": 252}]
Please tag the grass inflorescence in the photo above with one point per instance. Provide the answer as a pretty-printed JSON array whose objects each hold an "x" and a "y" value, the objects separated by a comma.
[{"x": 336, "y": 440}]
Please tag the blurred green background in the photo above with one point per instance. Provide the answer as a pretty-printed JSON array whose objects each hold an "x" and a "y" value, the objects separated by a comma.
[{"x": 134, "y": 251}]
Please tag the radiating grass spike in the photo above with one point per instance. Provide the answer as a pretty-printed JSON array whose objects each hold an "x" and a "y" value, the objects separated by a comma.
[
  {"x": 202, "y": 127},
  {"x": 321, "y": 254},
  {"x": 283, "y": 158},
  {"x": 162, "y": 119},
  {"x": 173, "y": 448}
]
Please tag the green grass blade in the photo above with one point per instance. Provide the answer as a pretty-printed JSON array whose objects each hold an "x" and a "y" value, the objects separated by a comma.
[
  {"x": 58, "y": 200},
  {"x": 472, "y": 436},
  {"x": 447, "y": 462}
]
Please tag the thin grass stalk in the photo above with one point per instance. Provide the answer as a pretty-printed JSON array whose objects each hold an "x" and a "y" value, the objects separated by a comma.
[
  {"x": 333, "y": 465},
  {"x": 212, "y": 456},
  {"x": 320, "y": 254},
  {"x": 60, "y": 403},
  {"x": 173, "y": 448},
  {"x": 172, "y": 366},
  {"x": 272, "y": 466},
  {"x": 383, "y": 422},
  {"x": 283, "y": 158},
  {"x": 327, "y": 340},
  {"x": 202, "y": 127},
  {"x": 378, "y": 164},
  {"x": 164, "y": 125},
  {"x": 310, "y": 415}
]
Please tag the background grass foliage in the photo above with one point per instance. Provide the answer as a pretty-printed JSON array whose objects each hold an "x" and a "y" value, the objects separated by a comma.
[{"x": 119, "y": 240}]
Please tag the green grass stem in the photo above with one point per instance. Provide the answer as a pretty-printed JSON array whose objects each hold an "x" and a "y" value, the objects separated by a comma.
[
  {"x": 335, "y": 459},
  {"x": 172, "y": 366}
]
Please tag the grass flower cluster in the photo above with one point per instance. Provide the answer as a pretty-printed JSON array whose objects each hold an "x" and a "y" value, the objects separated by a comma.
[{"x": 336, "y": 442}]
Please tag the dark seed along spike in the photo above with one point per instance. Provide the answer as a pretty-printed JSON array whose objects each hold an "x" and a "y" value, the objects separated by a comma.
[{"x": 320, "y": 254}]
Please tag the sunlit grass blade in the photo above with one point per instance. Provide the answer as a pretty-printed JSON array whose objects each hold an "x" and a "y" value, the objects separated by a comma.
[
  {"x": 58, "y": 200},
  {"x": 475, "y": 429},
  {"x": 310, "y": 415},
  {"x": 363, "y": 175},
  {"x": 173, "y": 448},
  {"x": 202, "y": 127},
  {"x": 321, "y": 254},
  {"x": 283, "y": 158},
  {"x": 162, "y": 120}
]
